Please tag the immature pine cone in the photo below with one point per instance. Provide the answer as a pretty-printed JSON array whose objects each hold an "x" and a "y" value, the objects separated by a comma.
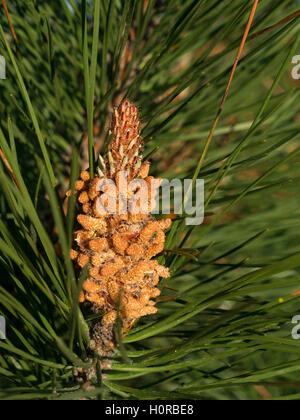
[{"x": 119, "y": 247}]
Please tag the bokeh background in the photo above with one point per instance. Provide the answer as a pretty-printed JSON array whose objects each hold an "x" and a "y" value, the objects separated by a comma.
[{"x": 223, "y": 329}]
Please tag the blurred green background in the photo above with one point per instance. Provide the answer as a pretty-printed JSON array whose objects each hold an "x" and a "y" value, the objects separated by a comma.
[{"x": 223, "y": 329}]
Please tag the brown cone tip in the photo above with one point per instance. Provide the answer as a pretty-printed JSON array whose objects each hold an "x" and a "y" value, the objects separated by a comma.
[{"x": 126, "y": 144}]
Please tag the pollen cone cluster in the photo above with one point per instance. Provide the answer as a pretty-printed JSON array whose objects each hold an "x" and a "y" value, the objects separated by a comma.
[{"x": 119, "y": 238}]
